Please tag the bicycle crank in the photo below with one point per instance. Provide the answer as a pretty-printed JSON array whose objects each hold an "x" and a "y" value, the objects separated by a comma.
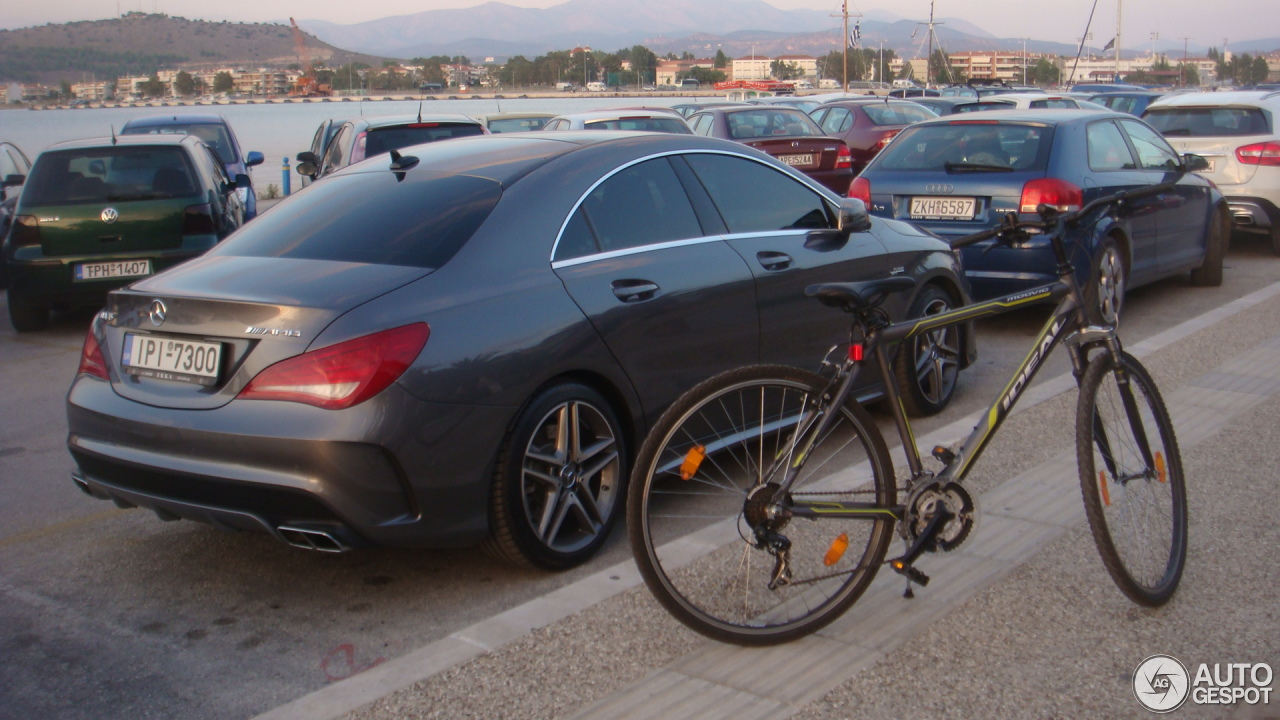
[{"x": 955, "y": 503}]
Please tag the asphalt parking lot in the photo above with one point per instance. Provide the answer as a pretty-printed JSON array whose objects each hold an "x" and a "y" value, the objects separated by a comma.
[{"x": 111, "y": 613}]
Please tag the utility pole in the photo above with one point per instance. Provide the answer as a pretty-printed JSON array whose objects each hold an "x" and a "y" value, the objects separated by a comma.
[
  {"x": 1182, "y": 69},
  {"x": 1119, "y": 6},
  {"x": 1024, "y": 61},
  {"x": 845, "y": 43},
  {"x": 928, "y": 63}
]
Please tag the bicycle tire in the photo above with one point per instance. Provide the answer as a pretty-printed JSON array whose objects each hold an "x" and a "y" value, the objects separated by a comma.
[
  {"x": 1136, "y": 501},
  {"x": 692, "y": 542}
]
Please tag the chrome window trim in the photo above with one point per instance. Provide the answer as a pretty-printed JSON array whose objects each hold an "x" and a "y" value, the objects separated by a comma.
[{"x": 823, "y": 192}]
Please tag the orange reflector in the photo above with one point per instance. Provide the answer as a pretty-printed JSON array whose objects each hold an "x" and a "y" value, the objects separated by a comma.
[
  {"x": 1102, "y": 483},
  {"x": 1160, "y": 469},
  {"x": 836, "y": 551},
  {"x": 692, "y": 460}
]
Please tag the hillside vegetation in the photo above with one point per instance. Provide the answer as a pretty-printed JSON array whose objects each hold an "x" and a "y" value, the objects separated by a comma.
[{"x": 140, "y": 44}]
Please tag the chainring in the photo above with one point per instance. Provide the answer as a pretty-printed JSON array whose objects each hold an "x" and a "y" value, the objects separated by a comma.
[{"x": 957, "y": 501}]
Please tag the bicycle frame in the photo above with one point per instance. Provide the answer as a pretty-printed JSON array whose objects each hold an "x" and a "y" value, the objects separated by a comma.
[{"x": 1066, "y": 321}]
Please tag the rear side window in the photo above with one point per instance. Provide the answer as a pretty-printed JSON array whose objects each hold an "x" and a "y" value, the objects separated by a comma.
[
  {"x": 215, "y": 136},
  {"x": 752, "y": 197},
  {"x": 967, "y": 147},
  {"x": 381, "y": 140},
  {"x": 1208, "y": 121},
  {"x": 419, "y": 222},
  {"x": 1107, "y": 148},
  {"x": 765, "y": 122},
  {"x": 1153, "y": 152},
  {"x": 641, "y": 205},
  {"x": 115, "y": 174},
  {"x": 517, "y": 124},
  {"x": 667, "y": 125},
  {"x": 837, "y": 121},
  {"x": 896, "y": 114}
]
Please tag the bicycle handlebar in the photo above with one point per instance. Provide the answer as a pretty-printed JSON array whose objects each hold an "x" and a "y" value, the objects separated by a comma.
[{"x": 1053, "y": 221}]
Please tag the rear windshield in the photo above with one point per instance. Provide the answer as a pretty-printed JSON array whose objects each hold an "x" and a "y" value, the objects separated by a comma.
[
  {"x": 657, "y": 124},
  {"x": 1208, "y": 122},
  {"x": 968, "y": 147},
  {"x": 116, "y": 174},
  {"x": 420, "y": 221},
  {"x": 896, "y": 114},
  {"x": 215, "y": 136},
  {"x": 381, "y": 140},
  {"x": 517, "y": 124},
  {"x": 765, "y": 122}
]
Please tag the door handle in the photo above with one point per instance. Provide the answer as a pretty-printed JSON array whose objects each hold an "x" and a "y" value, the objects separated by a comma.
[
  {"x": 634, "y": 290},
  {"x": 774, "y": 260}
]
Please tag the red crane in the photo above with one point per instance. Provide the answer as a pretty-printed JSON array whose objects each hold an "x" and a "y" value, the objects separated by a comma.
[{"x": 306, "y": 85}]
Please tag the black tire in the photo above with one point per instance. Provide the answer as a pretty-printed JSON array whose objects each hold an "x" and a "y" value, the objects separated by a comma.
[
  {"x": 1108, "y": 280},
  {"x": 927, "y": 367},
  {"x": 1219, "y": 233},
  {"x": 24, "y": 316},
  {"x": 559, "y": 480},
  {"x": 692, "y": 540},
  {"x": 1135, "y": 499}
]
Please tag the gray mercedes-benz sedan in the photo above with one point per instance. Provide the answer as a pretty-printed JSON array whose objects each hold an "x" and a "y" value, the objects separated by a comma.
[{"x": 465, "y": 343}]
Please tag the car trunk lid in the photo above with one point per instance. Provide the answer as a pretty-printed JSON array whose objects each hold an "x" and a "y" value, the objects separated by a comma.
[
  {"x": 806, "y": 154},
  {"x": 110, "y": 228}
]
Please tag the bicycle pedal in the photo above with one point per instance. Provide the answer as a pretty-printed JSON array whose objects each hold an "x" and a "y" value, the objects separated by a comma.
[
  {"x": 912, "y": 573},
  {"x": 944, "y": 455}
]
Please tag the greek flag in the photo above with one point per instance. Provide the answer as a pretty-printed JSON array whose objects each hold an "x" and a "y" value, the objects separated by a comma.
[{"x": 856, "y": 35}]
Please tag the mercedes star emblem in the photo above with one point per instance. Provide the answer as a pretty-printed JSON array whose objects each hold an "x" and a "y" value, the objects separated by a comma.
[{"x": 157, "y": 312}]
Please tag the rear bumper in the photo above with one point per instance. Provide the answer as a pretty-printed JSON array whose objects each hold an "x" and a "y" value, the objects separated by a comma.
[
  {"x": 1252, "y": 213},
  {"x": 391, "y": 471}
]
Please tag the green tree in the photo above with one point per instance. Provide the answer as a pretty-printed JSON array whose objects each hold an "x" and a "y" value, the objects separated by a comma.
[
  {"x": 184, "y": 84},
  {"x": 222, "y": 82},
  {"x": 153, "y": 87},
  {"x": 781, "y": 70},
  {"x": 1259, "y": 70},
  {"x": 1044, "y": 72},
  {"x": 64, "y": 89},
  {"x": 1190, "y": 76},
  {"x": 644, "y": 63},
  {"x": 722, "y": 60},
  {"x": 943, "y": 73},
  {"x": 686, "y": 55},
  {"x": 705, "y": 76}
]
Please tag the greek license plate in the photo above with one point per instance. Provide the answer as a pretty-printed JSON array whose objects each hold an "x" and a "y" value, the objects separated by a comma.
[
  {"x": 797, "y": 160},
  {"x": 166, "y": 358},
  {"x": 107, "y": 270},
  {"x": 942, "y": 208}
]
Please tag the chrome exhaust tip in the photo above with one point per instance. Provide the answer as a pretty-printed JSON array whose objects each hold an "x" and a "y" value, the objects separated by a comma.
[
  {"x": 79, "y": 480},
  {"x": 308, "y": 539}
]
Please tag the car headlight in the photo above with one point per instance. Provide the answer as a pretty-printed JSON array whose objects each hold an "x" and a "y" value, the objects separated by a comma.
[{"x": 244, "y": 195}]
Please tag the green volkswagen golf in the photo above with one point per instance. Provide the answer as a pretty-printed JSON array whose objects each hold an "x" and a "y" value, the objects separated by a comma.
[{"x": 98, "y": 214}]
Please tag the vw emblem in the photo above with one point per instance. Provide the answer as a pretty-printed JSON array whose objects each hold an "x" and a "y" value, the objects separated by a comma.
[
  {"x": 942, "y": 188},
  {"x": 795, "y": 143},
  {"x": 110, "y": 215},
  {"x": 157, "y": 312}
]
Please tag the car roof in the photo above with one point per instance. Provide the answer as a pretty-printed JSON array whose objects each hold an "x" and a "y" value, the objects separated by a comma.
[
  {"x": 513, "y": 116},
  {"x": 124, "y": 141},
  {"x": 1045, "y": 116},
  {"x": 163, "y": 120},
  {"x": 1255, "y": 98},
  {"x": 615, "y": 113},
  {"x": 382, "y": 121}
]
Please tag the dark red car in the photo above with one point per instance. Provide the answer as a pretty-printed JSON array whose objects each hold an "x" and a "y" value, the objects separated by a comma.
[
  {"x": 866, "y": 126},
  {"x": 784, "y": 132}
]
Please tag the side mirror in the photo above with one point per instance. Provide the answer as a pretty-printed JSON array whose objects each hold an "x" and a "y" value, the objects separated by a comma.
[
  {"x": 307, "y": 156},
  {"x": 12, "y": 180},
  {"x": 853, "y": 216},
  {"x": 1194, "y": 163},
  {"x": 307, "y": 168},
  {"x": 253, "y": 158},
  {"x": 243, "y": 181}
]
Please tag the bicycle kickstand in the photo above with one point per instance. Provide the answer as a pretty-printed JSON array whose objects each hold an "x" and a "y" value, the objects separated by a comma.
[{"x": 926, "y": 540}]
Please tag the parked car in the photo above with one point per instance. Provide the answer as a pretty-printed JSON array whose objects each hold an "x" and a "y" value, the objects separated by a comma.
[
  {"x": 687, "y": 109},
  {"x": 646, "y": 119},
  {"x": 214, "y": 131},
  {"x": 1132, "y": 102},
  {"x": 1105, "y": 88},
  {"x": 785, "y": 133},
  {"x": 482, "y": 365},
  {"x": 515, "y": 121},
  {"x": 14, "y": 168},
  {"x": 913, "y": 92},
  {"x": 1237, "y": 132},
  {"x": 319, "y": 141},
  {"x": 1027, "y": 101},
  {"x": 365, "y": 137},
  {"x": 866, "y": 127},
  {"x": 942, "y": 105},
  {"x": 961, "y": 174},
  {"x": 96, "y": 214}
]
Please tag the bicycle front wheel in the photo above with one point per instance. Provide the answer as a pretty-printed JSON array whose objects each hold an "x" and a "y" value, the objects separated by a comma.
[
  {"x": 1131, "y": 478},
  {"x": 700, "y": 493}
]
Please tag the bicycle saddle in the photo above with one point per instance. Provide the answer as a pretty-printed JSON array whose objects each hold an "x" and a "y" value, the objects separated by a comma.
[{"x": 858, "y": 296}]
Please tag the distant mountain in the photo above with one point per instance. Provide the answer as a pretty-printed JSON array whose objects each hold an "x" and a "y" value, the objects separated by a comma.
[{"x": 140, "y": 43}]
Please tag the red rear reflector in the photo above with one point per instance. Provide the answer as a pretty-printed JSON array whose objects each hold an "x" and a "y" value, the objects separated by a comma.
[
  {"x": 1264, "y": 153},
  {"x": 861, "y": 188},
  {"x": 856, "y": 352},
  {"x": 422, "y": 125},
  {"x": 91, "y": 360},
  {"x": 1058, "y": 194},
  {"x": 844, "y": 158},
  {"x": 342, "y": 375},
  {"x": 884, "y": 140}
]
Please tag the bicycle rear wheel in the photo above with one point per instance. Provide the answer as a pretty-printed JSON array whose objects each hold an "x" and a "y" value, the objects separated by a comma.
[
  {"x": 703, "y": 480},
  {"x": 1131, "y": 478}
]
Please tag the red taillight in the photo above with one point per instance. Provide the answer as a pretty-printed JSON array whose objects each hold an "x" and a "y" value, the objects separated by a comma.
[
  {"x": 1058, "y": 194},
  {"x": 844, "y": 158},
  {"x": 342, "y": 375},
  {"x": 91, "y": 360},
  {"x": 357, "y": 152},
  {"x": 884, "y": 140},
  {"x": 1264, "y": 153},
  {"x": 26, "y": 231},
  {"x": 861, "y": 188},
  {"x": 198, "y": 220}
]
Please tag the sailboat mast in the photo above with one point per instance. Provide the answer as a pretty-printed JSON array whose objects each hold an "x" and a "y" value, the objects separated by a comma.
[
  {"x": 928, "y": 63},
  {"x": 1119, "y": 5}
]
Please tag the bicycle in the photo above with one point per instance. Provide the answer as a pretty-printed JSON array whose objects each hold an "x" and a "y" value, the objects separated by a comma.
[{"x": 764, "y": 500}]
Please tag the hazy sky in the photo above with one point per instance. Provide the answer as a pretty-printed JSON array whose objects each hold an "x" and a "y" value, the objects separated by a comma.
[{"x": 1206, "y": 22}]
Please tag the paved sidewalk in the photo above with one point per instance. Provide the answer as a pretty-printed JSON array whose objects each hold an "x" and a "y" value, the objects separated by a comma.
[{"x": 1022, "y": 621}]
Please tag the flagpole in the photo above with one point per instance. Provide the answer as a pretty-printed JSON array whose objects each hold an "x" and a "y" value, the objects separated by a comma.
[{"x": 844, "y": 10}]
